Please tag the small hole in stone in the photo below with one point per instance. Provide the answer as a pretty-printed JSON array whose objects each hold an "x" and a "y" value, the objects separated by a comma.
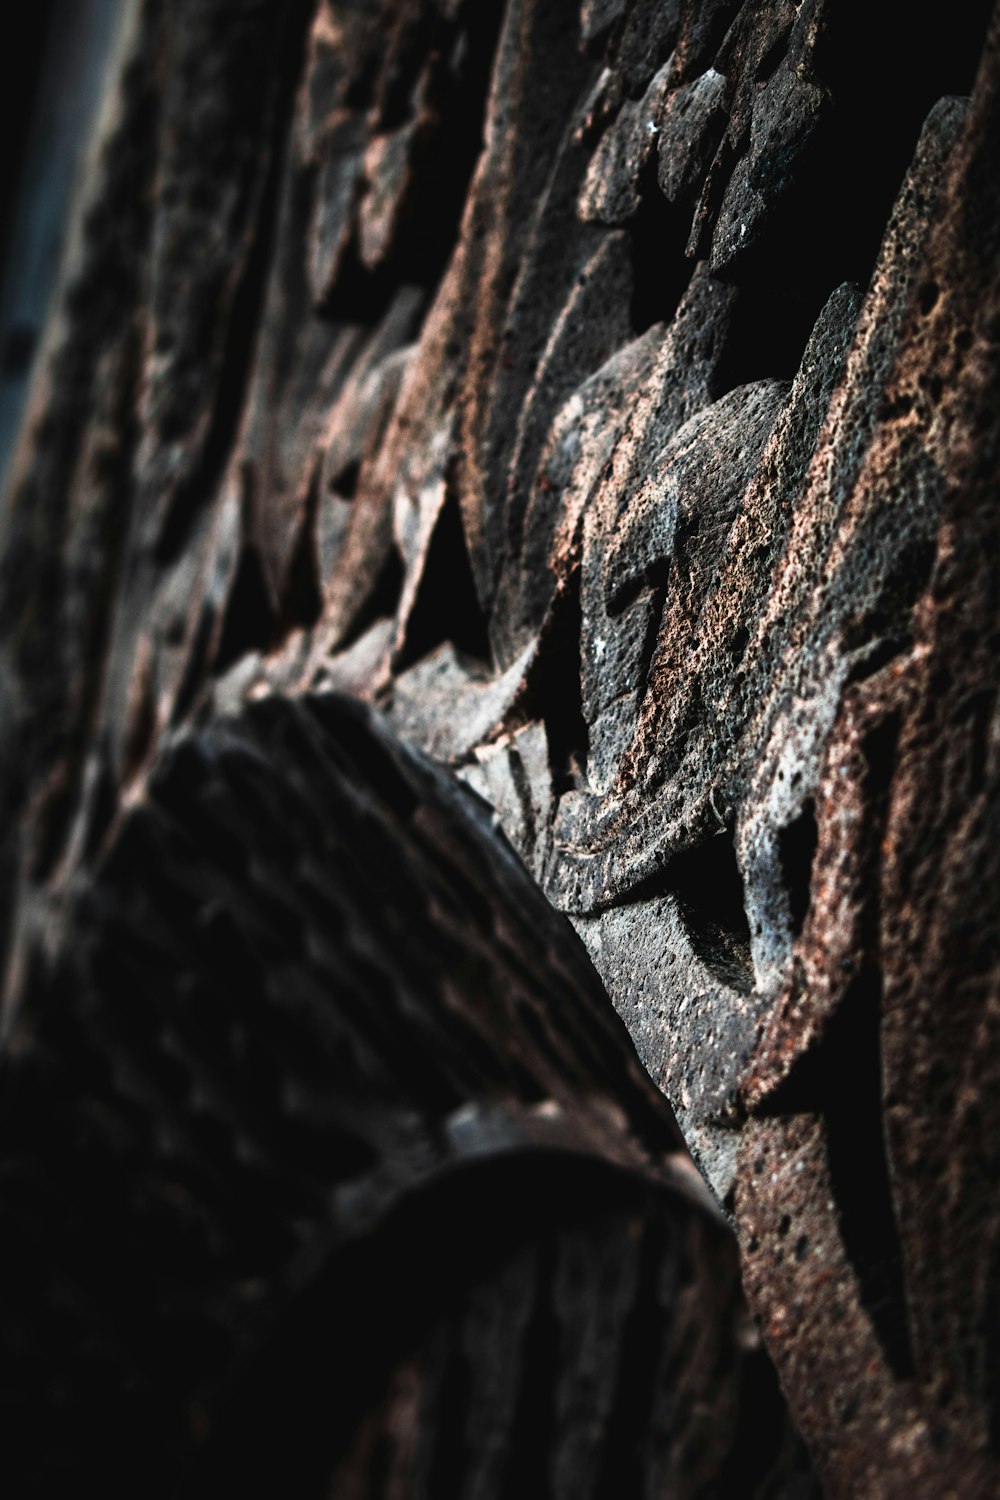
[
  {"x": 929, "y": 294},
  {"x": 797, "y": 846},
  {"x": 345, "y": 483}
]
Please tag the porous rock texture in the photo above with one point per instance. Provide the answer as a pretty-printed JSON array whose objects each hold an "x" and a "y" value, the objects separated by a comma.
[
  {"x": 330, "y": 1170},
  {"x": 607, "y": 393}
]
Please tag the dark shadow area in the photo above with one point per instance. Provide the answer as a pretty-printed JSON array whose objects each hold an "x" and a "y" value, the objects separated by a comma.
[
  {"x": 460, "y": 61},
  {"x": 797, "y": 848},
  {"x": 558, "y": 693},
  {"x": 294, "y": 1409},
  {"x": 249, "y": 622},
  {"x": 859, "y": 1169},
  {"x": 660, "y": 269},
  {"x": 707, "y": 883},
  {"x": 768, "y": 331},
  {"x": 825, "y": 227},
  {"x": 447, "y": 606}
]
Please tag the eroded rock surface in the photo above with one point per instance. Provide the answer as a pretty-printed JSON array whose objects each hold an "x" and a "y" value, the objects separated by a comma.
[
  {"x": 609, "y": 393},
  {"x": 365, "y": 1176}
]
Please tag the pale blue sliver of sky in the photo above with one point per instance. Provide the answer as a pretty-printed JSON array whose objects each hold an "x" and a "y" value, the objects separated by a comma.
[{"x": 77, "y": 52}]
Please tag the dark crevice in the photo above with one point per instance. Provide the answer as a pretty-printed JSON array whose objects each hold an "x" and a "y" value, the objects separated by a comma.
[
  {"x": 768, "y": 64},
  {"x": 709, "y": 891},
  {"x": 558, "y": 694},
  {"x": 703, "y": 28},
  {"x": 842, "y": 1077},
  {"x": 879, "y": 751},
  {"x": 895, "y": 408},
  {"x": 973, "y": 723},
  {"x": 825, "y": 226},
  {"x": 881, "y": 654},
  {"x": 859, "y": 1169},
  {"x": 803, "y": 1089},
  {"x": 908, "y": 573},
  {"x": 706, "y": 883},
  {"x": 660, "y": 269},
  {"x": 928, "y": 297},
  {"x": 447, "y": 606},
  {"x": 843, "y": 190},
  {"x": 925, "y": 64},
  {"x": 643, "y": 38},
  {"x": 249, "y": 623},
  {"x": 360, "y": 294},
  {"x": 360, "y": 91},
  {"x": 621, "y": 595},
  {"x": 522, "y": 787},
  {"x": 764, "y": 1441},
  {"x": 344, "y": 484},
  {"x": 654, "y": 619},
  {"x": 303, "y": 601},
  {"x": 767, "y": 334},
  {"x": 797, "y": 848},
  {"x": 102, "y": 809}
]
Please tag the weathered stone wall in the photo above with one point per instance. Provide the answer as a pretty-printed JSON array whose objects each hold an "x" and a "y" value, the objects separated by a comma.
[{"x": 608, "y": 393}]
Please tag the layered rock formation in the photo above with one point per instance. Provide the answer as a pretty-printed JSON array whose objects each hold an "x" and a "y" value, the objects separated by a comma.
[{"x": 608, "y": 393}]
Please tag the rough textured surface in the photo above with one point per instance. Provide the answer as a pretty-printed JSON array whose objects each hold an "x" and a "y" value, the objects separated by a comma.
[
  {"x": 365, "y": 1177},
  {"x": 609, "y": 392}
]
